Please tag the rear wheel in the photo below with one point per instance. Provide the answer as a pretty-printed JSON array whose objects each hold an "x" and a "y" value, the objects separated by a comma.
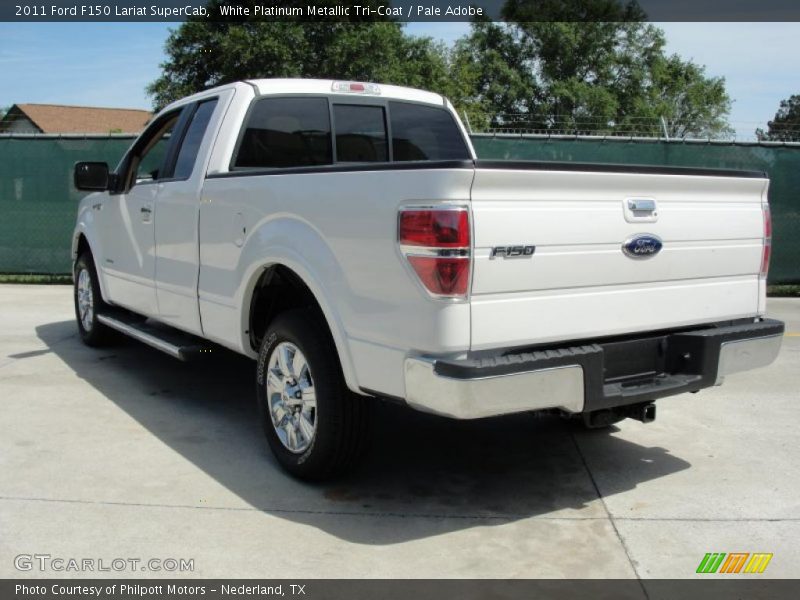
[
  {"x": 89, "y": 303},
  {"x": 315, "y": 426}
]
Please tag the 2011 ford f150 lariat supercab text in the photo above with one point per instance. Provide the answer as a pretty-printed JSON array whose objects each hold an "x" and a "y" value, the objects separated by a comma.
[{"x": 346, "y": 237}]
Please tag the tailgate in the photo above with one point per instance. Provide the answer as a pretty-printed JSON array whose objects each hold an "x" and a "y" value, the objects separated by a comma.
[{"x": 579, "y": 282}]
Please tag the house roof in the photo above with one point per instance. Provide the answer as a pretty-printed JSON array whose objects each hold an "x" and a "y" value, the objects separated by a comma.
[{"x": 56, "y": 118}]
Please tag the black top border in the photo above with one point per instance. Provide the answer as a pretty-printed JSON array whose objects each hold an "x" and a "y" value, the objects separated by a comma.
[
  {"x": 544, "y": 165},
  {"x": 399, "y": 10}
]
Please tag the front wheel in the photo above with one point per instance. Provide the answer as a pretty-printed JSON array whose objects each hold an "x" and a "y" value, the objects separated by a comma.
[
  {"x": 89, "y": 303},
  {"x": 315, "y": 426}
]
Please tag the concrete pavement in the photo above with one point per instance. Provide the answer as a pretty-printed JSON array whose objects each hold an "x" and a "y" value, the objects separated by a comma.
[{"x": 126, "y": 453}]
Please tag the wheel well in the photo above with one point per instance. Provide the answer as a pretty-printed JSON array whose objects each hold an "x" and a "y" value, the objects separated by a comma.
[
  {"x": 278, "y": 289},
  {"x": 83, "y": 246}
]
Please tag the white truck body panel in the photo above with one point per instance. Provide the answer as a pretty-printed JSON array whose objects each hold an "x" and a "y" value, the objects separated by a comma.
[{"x": 343, "y": 244}]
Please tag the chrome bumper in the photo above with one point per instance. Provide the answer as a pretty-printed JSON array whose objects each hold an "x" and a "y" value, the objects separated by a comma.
[
  {"x": 559, "y": 387},
  {"x": 573, "y": 379},
  {"x": 743, "y": 355}
]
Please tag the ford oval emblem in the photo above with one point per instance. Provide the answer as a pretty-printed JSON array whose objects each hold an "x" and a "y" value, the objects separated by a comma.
[{"x": 643, "y": 245}]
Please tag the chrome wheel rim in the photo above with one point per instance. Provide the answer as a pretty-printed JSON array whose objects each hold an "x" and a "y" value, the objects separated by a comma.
[
  {"x": 291, "y": 397},
  {"x": 85, "y": 300}
]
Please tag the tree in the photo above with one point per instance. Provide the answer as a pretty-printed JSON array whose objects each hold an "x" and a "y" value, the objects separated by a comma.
[
  {"x": 203, "y": 53},
  {"x": 588, "y": 66},
  {"x": 785, "y": 126},
  {"x": 684, "y": 100}
]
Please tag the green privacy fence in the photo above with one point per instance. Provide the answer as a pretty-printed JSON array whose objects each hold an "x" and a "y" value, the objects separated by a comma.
[{"x": 38, "y": 203}]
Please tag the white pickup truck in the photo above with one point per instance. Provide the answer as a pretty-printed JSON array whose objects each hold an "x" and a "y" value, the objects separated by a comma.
[{"x": 346, "y": 237}]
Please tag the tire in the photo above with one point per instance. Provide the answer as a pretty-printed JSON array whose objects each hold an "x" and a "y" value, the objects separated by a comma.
[
  {"x": 315, "y": 426},
  {"x": 89, "y": 304}
]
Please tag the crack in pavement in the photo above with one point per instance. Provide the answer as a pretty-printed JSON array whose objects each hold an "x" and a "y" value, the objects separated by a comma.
[
  {"x": 401, "y": 515},
  {"x": 610, "y": 516}
]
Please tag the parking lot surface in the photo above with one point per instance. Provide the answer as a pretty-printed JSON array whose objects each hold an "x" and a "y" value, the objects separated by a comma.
[{"x": 126, "y": 453}]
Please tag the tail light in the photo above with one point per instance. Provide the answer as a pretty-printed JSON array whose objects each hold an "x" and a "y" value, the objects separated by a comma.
[
  {"x": 766, "y": 251},
  {"x": 436, "y": 243}
]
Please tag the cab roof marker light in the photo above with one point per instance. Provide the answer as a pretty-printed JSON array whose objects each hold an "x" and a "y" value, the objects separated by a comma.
[{"x": 355, "y": 87}]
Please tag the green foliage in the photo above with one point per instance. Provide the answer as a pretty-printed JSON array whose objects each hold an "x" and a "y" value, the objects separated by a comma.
[
  {"x": 785, "y": 126},
  {"x": 691, "y": 103},
  {"x": 35, "y": 278},
  {"x": 601, "y": 71},
  {"x": 784, "y": 291}
]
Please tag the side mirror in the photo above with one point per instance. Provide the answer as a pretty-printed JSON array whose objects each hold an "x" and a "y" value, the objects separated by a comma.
[{"x": 91, "y": 176}]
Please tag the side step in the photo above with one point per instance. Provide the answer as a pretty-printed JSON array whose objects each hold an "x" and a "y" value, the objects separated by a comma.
[{"x": 170, "y": 341}]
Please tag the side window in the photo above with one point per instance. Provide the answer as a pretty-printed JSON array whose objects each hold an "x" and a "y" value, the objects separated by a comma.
[
  {"x": 148, "y": 161},
  {"x": 286, "y": 132},
  {"x": 184, "y": 165},
  {"x": 425, "y": 133},
  {"x": 360, "y": 133}
]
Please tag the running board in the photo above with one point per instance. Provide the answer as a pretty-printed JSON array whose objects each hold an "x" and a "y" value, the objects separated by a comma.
[{"x": 170, "y": 341}]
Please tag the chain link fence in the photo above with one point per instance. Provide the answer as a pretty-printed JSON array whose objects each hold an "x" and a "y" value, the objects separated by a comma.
[
  {"x": 630, "y": 128},
  {"x": 38, "y": 202}
]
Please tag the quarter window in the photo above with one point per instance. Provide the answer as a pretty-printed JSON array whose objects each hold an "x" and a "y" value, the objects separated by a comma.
[
  {"x": 286, "y": 132},
  {"x": 425, "y": 133},
  {"x": 360, "y": 133},
  {"x": 187, "y": 156}
]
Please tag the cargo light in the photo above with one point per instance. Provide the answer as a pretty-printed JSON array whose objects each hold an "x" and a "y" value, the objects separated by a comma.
[
  {"x": 766, "y": 250},
  {"x": 436, "y": 243},
  {"x": 355, "y": 87}
]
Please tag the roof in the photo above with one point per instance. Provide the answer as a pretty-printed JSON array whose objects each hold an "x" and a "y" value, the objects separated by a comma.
[
  {"x": 56, "y": 118},
  {"x": 325, "y": 86},
  {"x": 318, "y": 86}
]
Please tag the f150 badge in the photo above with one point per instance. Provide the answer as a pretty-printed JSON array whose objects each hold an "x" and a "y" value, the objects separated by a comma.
[
  {"x": 644, "y": 245},
  {"x": 512, "y": 252}
]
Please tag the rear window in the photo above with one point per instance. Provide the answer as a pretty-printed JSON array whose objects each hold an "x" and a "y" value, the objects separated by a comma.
[
  {"x": 425, "y": 133},
  {"x": 360, "y": 133},
  {"x": 286, "y": 132}
]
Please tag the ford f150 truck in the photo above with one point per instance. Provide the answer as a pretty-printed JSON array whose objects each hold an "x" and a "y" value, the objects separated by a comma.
[{"x": 346, "y": 237}]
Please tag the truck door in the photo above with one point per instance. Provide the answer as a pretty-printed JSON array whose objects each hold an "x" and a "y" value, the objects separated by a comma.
[
  {"x": 126, "y": 219},
  {"x": 176, "y": 216}
]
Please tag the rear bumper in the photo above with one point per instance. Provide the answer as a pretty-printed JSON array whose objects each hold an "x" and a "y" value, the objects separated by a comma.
[{"x": 600, "y": 375}]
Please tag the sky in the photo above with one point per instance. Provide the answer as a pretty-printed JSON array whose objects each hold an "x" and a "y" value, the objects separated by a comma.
[{"x": 109, "y": 64}]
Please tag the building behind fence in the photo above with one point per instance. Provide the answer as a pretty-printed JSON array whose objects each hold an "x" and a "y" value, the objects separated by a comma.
[{"x": 38, "y": 202}]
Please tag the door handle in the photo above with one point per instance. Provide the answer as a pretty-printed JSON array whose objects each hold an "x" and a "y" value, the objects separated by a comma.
[
  {"x": 640, "y": 210},
  {"x": 642, "y": 205}
]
